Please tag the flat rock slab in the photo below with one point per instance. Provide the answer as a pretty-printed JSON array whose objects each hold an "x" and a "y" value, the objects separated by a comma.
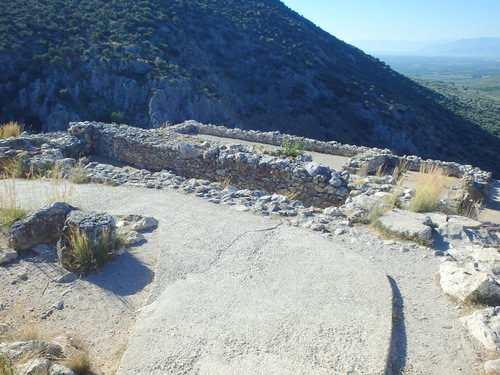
[
  {"x": 279, "y": 300},
  {"x": 240, "y": 294},
  {"x": 407, "y": 222}
]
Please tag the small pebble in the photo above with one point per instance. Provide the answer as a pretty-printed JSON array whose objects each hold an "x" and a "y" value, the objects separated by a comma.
[
  {"x": 59, "y": 305},
  {"x": 46, "y": 314}
]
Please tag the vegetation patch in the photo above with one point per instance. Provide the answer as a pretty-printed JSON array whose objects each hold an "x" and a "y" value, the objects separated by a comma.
[
  {"x": 10, "y": 129},
  {"x": 14, "y": 168},
  {"x": 431, "y": 182},
  {"x": 86, "y": 255},
  {"x": 293, "y": 149},
  {"x": 10, "y": 211}
]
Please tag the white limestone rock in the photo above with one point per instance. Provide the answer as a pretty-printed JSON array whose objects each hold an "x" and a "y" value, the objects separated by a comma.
[
  {"x": 145, "y": 224},
  {"x": 33, "y": 367},
  {"x": 463, "y": 282},
  {"x": 464, "y": 221},
  {"x": 484, "y": 325},
  {"x": 7, "y": 256},
  {"x": 408, "y": 223},
  {"x": 492, "y": 366}
]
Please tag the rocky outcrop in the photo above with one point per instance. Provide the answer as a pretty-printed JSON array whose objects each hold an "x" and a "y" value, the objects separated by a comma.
[{"x": 40, "y": 226}]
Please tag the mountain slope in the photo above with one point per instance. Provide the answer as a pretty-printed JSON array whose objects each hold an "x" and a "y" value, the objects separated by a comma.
[{"x": 251, "y": 63}]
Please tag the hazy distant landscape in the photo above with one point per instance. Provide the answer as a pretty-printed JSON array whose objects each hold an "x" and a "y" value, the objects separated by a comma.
[{"x": 470, "y": 86}]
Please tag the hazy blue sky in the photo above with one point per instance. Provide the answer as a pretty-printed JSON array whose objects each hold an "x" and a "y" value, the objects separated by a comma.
[{"x": 417, "y": 20}]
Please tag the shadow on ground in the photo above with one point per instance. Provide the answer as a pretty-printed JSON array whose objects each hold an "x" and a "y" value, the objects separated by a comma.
[
  {"x": 123, "y": 276},
  {"x": 397, "y": 354}
]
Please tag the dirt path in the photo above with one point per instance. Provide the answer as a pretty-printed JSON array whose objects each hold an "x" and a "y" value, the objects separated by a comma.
[{"x": 491, "y": 211}]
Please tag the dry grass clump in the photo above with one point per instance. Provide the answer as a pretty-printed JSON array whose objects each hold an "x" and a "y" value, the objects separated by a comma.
[
  {"x": 431, "y": 182},
  {"x": 10, "y": 129},
  {"x": 14, "y": 206},
  {"x": 14, "y": 168},
  {"x": 10, "y": 211},
  {"x": 86, "y": 256},
  {"x": 79, "y": 362}
]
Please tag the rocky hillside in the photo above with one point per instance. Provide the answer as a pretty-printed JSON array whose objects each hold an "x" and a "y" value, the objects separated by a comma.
[{"x": 249, "y": 63}]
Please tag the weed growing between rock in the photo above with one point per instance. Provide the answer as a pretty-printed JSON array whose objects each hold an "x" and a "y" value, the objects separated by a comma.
[
  {"x": 111, "y": 183},
  {"x": 85, "y": 256},
  {"x": 289, "y": 148},
  {"x": 79, "y": 362},
  {"x": 431, "y": 182},
  {"x": 78, "y": 175},
  {"x": 10, "y": 129}
]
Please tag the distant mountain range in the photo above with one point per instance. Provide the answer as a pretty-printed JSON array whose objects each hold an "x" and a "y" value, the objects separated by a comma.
[
  {"x": 255, "y": 64},
  {"x": 477, "y": 47}
]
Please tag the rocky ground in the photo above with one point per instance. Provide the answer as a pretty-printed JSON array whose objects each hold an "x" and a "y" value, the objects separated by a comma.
[{"x": 98, "y": 310}]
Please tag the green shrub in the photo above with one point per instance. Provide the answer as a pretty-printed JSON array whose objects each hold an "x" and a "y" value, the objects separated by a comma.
[{"x": 290, "y": 148}]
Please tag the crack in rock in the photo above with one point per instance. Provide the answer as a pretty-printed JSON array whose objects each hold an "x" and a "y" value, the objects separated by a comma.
[{"x": 222, "y": 251}]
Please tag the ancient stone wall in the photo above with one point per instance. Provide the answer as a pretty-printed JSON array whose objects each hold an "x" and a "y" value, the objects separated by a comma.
[
  {"x": 237, "y": 165},
  {"x": 475, "y": 181}
]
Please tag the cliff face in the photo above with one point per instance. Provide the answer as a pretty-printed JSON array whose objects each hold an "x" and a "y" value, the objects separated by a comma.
[{"x": 253, "y": 64}]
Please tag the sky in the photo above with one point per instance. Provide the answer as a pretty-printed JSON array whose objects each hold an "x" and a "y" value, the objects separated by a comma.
[{"x": 415, "y": 20}]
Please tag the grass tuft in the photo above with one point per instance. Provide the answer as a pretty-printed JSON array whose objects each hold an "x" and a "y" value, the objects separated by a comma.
[
  {"x": 86, "y": 256},
  {"x": 6, "y": 365},
  {"x": 79, "y": 362},
  {"x": 10, "y": 212},
  {"x": 14, "y": 168},
  {"x": 10, "y": 129},
  {"x": 431, "y": 182},
  {"x": 78, "y": 175}
]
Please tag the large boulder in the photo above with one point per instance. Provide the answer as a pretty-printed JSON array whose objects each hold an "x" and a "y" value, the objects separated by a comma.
[
  {"x": 484, "y": 325},
  {"x": 39, "y": 226},
  {"x": 411, "y": 224},
  {"x": 467, "y": 282},
  {"x": 95, "y": 226},
  {"x": 315, "y": 169}
]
